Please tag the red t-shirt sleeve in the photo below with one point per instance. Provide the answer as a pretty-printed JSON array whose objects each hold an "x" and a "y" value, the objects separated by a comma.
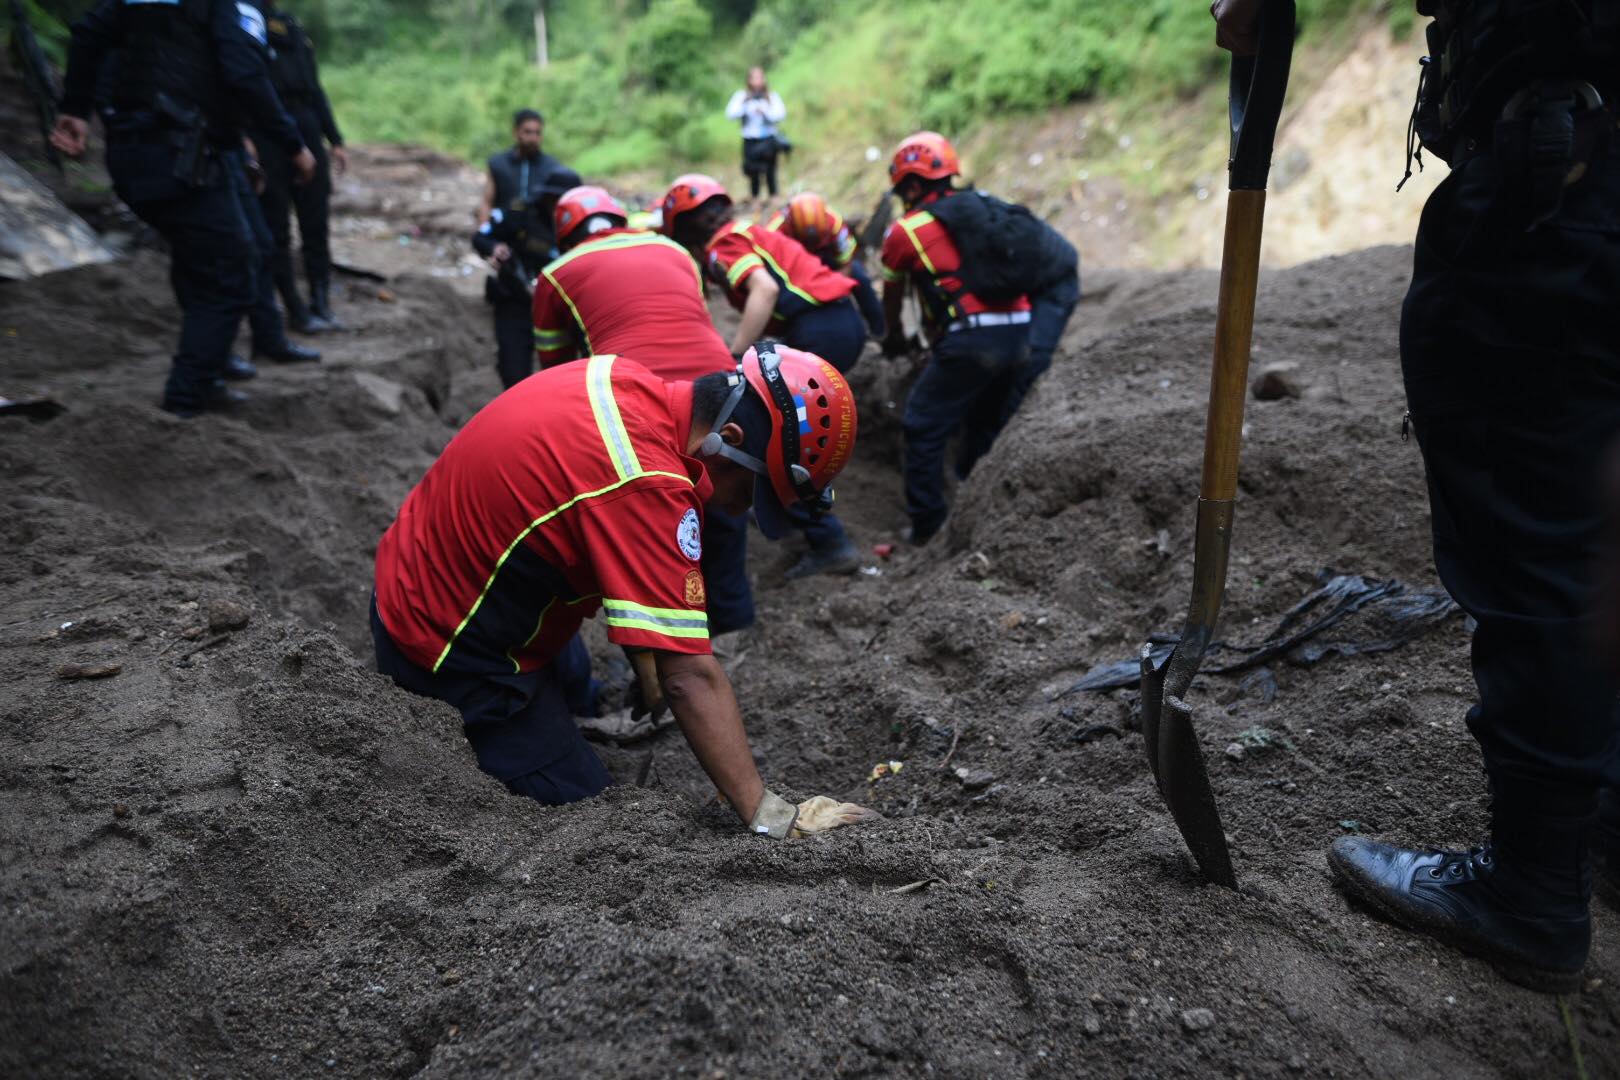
[
  {"x": 555, "y": 333},
  {"x": 734, "y": 257},
  {"x": 899, "y": 255},
  {"x": 645, "y": 547}
]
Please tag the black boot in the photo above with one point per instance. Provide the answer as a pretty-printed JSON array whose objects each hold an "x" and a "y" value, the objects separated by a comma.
[
  {"x": 216, "y": 397},
  {"x": 1520, "y": 904},
  {"x": 288, "y": 353},
  {"x": 320, "y": 300},
  {"x": 299, "y": 317},
  {"x": 239, "y": 369}
]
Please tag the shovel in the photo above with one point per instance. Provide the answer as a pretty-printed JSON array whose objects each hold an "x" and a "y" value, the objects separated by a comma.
[{"x": 1173, "y": 753}]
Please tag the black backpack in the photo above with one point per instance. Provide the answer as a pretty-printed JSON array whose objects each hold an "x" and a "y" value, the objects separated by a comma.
[{"x": 1007, "y": 252}]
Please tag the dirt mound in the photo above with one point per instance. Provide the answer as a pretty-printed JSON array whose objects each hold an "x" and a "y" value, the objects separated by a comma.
[{"x": 244, "y": 853}]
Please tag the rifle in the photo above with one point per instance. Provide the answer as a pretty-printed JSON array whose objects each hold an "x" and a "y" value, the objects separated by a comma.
[{"x": 29, "y": 59}]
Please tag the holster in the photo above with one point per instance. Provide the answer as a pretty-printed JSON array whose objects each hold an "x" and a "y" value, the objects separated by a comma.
[{"x": 1546, "y": 139}]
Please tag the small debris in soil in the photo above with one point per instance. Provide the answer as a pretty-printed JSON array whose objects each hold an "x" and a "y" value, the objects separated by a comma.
[
  {"x": 1277, "y": 381},
  {"x": 88, "y": 671},
  {"x": 226, "y": 615},
  {"x": 1197, "y": 1019},
  {"x": 974, "y": 779}
]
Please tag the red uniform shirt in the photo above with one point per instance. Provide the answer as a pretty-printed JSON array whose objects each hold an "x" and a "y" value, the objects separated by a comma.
[
  {"x": 918, "y": 247},
  {"x": 836, "y": 250},
  {"x": 737, "y": 251},
  {"x": 568, "y": 493},
  {"x": 629, "y": 293}
]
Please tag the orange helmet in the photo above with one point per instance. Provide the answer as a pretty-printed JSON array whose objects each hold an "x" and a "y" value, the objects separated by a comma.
[
  {"x": 813, "y": 421},
  {"x": 927, "y": 155},
  {"x": 577, "y": 204},
  {"x": 688, "y": 193},
  {"x": 809, "y": 220}
]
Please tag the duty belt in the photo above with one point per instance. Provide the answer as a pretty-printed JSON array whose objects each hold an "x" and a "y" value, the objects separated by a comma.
[{"x": 988, "y": 318}]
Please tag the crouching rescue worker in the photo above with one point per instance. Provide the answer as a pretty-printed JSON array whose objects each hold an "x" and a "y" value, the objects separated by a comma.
[
  {"x": 821, "y": 231},
  {"x": 630, "y": 292},
  {"x": 583, "y": 489},
  {"x": 978, "y": 346},
  {"x": 780, "y": 289}
]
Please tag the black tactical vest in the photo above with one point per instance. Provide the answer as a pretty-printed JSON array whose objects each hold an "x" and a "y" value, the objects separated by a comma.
[
  {"x": 291, "y": 69},
  {"x": 519, "y": 184},
  {"x": 166, "y": 60},
  {"x": 1481, "y": 52}
]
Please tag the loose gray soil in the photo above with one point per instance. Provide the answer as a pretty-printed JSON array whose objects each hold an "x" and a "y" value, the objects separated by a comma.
[{"x": 247, "y": 854}]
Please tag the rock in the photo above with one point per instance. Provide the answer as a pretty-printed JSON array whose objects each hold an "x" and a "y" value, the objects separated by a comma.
[
  {"x": 226, "y": 615},
  {"x": 451, "y": 977},
  {"x": 192, "y": 633},
  {"x": 88, "y": 671},
  {"x": 1197, "y": 1019},
  {"x": 120, "y": 810},
  {"x": 973, "y": 779},
  {"x": 386, "y": 394},
  {"x": 1277, "y": 381},
  {"x": 976, "y": 566},
  {"x": 1091, "y": 1025},
  {"x": 1012, "y": 620},
  {"x": 1235, "y": 751}
]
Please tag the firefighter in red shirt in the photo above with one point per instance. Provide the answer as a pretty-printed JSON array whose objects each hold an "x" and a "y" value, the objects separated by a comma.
[
  {"x": 821, "y": 231},
  {"x": 635, "y": 293},
  {"x": 977, "y": 348},
  {"x": 582, "y": 489},
  {"x": 783, "y": 290}
]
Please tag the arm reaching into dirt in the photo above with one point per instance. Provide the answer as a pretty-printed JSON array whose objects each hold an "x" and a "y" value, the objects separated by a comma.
[
  {"x": 700, "y": 696},
  {"x": 762, "y": 292}
]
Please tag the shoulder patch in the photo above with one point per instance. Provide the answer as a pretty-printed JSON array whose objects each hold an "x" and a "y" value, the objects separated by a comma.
[
  {"x": 689, "y": 535},
  {"x": 251, "y": 20},
  {"x": 696, "y": 594}
]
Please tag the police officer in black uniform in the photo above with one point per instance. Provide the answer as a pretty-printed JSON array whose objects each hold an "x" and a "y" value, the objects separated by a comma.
[
  {"x": 1510, "y": 351},
  {"x": 297, "y": 81},
  {"x": 185, "y": 70},
  {"x": 515, "y": 233}
]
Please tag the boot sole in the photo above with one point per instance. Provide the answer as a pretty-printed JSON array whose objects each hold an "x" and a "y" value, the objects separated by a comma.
[{"x": 1542, "y": 980}]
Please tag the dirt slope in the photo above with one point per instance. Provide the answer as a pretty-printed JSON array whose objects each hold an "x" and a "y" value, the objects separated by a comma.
[{"x": 245, "y": 854}]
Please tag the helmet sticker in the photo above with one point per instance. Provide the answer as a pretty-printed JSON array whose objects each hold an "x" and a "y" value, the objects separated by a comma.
[{"x": 689, "y": 536}]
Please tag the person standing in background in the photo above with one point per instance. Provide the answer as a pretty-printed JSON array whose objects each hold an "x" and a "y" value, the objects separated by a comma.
[{"x": 759, "y": 109}]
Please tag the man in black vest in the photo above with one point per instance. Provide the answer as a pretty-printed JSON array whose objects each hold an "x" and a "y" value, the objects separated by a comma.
[
  {"x": 515, "y": 233},
  {"x": 1510, "y": 351},
  {"x": 174, "y": 151},
  {"x": 297, "y": 81}
]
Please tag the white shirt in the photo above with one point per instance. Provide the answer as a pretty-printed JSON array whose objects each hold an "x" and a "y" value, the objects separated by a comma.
[{"x": 759, "y": 115}]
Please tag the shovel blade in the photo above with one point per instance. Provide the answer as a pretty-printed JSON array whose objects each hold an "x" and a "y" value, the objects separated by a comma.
[
  {"x": 1152, "y": 696},
  {"x": 1185, "y": 786}
]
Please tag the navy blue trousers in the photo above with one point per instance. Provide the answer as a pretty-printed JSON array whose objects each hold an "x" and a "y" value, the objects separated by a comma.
[
  {"x": 521, "y": 727},
  {"x": 965, "y": 387},
  {"x": 211, "y": 255},
  {"x": 1049, "y": 312},
  {"x": 866, "y": 299},
  {"x": 730, "y": 603},
  {"x": 835, "y": 333},
  {"x": 264, "y": 317},
  {"x": 1510, "y": 350}
]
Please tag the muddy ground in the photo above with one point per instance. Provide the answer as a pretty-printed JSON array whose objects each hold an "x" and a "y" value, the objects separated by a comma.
[{"x": 246, "y": 854}]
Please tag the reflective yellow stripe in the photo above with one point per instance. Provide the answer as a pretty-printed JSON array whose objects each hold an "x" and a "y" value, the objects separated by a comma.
[
  {"x": 782, "y": 276},
  {"x": 846, "y": 247},
  {"x": 584, "y": 334},
  {"x": 533, "y": 525},
  {"x": 741, "y": 267},
  {"x": 599, "y": 384},
  {"x": 670, "y": 622},
  {"x": 517, "y": 669},
  {"x": 892, "y": 275},
  {"x": 550, "y": 338},
  {"x": 911, "y": 226}
]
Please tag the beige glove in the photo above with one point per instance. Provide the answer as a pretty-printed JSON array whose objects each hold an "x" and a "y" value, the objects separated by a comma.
[
  {"x": 822, "y": 813},
  {"x": 623, "y": 727},
  {"x": 649, "y": 692}
]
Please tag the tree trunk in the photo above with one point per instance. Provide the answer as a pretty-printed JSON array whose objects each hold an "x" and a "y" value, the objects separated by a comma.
[{"x": 542, "y": 54}]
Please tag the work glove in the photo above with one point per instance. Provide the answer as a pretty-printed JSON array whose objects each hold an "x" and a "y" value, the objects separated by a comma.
[
  {"x": 647, "y": 695},
  {"x": 780, "y": 819},
  {"x": 622, "y": 727}
]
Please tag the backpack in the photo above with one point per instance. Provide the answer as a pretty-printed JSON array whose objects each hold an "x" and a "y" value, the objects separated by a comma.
[{"x": 1007, "y": 252}]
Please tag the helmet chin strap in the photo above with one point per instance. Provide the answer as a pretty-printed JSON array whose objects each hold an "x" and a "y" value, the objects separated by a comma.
[{"x": 714, "y": 445}]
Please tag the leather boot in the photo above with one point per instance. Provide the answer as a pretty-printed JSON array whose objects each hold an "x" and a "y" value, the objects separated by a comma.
[
  {"x": 320, "y": 300},
  {"x": 288, "y": 353},
  {"x": 838, "y": 559},
  {"x": 299, "y": 317},
  {"x": 1519, "y": 902},
  {"x": 1606, "y": 847},
  {"x": 239, "y": 369}
]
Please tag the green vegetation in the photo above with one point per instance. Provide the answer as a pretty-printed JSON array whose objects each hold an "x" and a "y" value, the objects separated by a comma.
[{"x": 641, "y": 84}]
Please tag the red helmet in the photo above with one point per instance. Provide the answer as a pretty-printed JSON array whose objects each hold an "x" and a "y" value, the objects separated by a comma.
[
  {"x": 813, "y": 421},
  {"x": 809, "y": 220},
  {"x": 577, "y": 204},
  {"x": 688, "y": 193},
  {"x": 927, "y": 155}
]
